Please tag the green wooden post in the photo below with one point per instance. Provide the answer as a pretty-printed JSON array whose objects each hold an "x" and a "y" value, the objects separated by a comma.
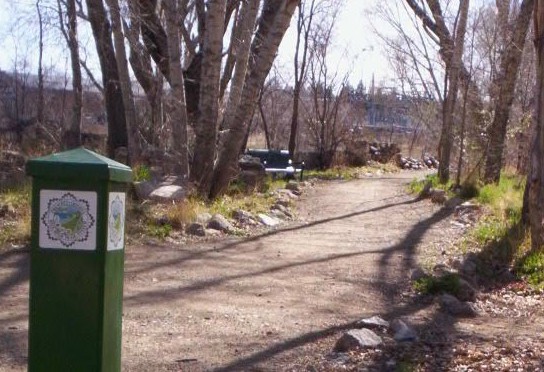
[{"x": 77, "y": 259}]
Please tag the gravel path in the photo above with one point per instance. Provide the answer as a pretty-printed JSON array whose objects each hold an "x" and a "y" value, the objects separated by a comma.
[{"x": 266, "y": 302}]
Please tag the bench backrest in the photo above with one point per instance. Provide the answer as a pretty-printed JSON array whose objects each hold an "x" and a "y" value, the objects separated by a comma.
[{"x": 271, "y": 158}]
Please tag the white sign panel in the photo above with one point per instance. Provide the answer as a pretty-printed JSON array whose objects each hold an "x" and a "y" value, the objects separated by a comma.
[
  {"x": 68, "y": 219},
  {"x": 116, "y": 220}
]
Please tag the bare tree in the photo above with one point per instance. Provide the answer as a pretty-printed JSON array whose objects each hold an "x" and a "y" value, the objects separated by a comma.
[
  {"x": 117, "y": 129},
  {"x": 207, "y": 124},
  {"x": 327, "y": 92},
  {"x": 304, "y": 25},
  {"x": 505, "y": 82},
  {"x": 274, "y": 21},
  {"x": 124, "y": 81},
  {"x": 72, "y": 135},
  {"x": 536, "y": 177},
  {"x": 174, "y": 12}
]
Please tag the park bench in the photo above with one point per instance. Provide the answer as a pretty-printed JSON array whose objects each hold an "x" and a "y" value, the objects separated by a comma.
[{"x": 277, "y": 162}]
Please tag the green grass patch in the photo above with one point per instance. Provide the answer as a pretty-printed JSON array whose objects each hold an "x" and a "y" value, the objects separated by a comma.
[
  {"x": 141, "y": 172},
  {"x": 531, "y": 267},
  {"x": 448, "y": 283},
  {"x": 158, "y": 231},
  {"x": 349, "y": 173},
  {"x": 417, "y": 185}
]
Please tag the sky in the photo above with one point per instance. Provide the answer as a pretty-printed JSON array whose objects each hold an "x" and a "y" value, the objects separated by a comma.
[{"x": 356, "y": 50}]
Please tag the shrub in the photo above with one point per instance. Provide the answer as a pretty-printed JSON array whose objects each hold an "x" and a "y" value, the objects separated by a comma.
[
  {"x": 448, "y": 283},
  {"x": 532, "y": 268}
]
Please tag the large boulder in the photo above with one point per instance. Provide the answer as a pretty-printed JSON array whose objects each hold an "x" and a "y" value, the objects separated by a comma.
[
  {"x": 143, "y": 189},
  {"x": 252, "y": 172},
  {"x": 167, "y": 194}
]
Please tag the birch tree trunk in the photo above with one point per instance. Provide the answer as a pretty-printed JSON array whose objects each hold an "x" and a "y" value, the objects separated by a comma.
[
  {"x": 453, "y": 68},
  {"x": 273, "y": 24},
  {"x": 179, "y": 111},
  {"x": 248, "y": 16},
  {"x": 506, "y": 81},
  {"x": 208, "y": 108}
]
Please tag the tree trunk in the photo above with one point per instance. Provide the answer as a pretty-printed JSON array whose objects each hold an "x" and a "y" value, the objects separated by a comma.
[
  {"x": 124, "y": 79},
  {"x": 536, "y": 182},
  {"x": 454, "y": 67},
  {"x": 506, "y": 81},
  {"x": 248, "y": 16},
  {"x": 299, "y": 72},
  {"x": 117, "y": 127},
  {"x": 179, "y": 111},
  {"x": 72, "y": 134},
  {"x": 206, "y": 130},
  {"x": 273, "y": 24}
]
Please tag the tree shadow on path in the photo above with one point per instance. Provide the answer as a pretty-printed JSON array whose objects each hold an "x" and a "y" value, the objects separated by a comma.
[{"x": 407, "y": 247}]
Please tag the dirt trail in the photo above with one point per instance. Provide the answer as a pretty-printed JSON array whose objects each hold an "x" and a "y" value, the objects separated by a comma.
[{"x": 263, "y": 302}]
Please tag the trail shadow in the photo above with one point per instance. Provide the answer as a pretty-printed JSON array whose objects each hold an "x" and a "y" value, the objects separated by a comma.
[
  {"x": 408, "y": 248},
  {"x": 21, "y": 267},
  {"x": 236, "y": 243},
  {"x": 172, "y": 294},
  {"x": 13, "y": 338}
]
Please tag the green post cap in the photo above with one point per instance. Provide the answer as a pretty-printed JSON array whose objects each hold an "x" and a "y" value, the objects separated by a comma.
[{"x": 78, "y": 163}]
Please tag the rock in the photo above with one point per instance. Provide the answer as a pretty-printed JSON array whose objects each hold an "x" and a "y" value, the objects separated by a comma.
[
  {"x": 196, "y": 229},
  {"x": 143, "y": 189},
  {"x": 438, "y": 196},
  {"x": 279, "y": 214},
  {"x": 286, "y": 193},
  {"x": 283, "y": 202},
  {"x": 506, "y": 276},
  {"x": 283, "y": 209},
  {"x": 220, "y": 223},
  {"x": 294, "y": 186},
  {"x": 251, "y": 163},
  {"x": 373, "y": 322},
  {"x": 162, "y": 220},
  {"x": 453, "y": 306},
  {"x": 167, "y": 194},
  {"x": 403, "y": 332},
  {"x": 171, "y": 180},
  {"x": 426, "y": 192},
  {"x": 417, "y": 274},
  {"x": 267, "y": 220},
  {"x": 212, "y": 232},
  {"x": 339, "y": 358},
  {"x": 4, "y": 209},
  {"x": 357, "y": 338},
  {"x": 253, "y": 180},
  {"x": 469, "y": 266},
  {"x": 466, "y": 291},
  {"x": 243, "y": 216},
  {"x": 203, "y": 218}
]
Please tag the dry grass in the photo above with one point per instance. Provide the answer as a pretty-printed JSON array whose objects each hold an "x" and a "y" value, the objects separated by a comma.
[{"x": 15, "y": 223}]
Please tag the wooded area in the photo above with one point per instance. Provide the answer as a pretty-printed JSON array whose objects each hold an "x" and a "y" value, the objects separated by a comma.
[{"x": 196, "y": 80}]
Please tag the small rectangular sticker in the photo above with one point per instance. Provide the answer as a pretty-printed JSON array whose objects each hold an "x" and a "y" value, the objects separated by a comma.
[{"x": 116, "y": 221}]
